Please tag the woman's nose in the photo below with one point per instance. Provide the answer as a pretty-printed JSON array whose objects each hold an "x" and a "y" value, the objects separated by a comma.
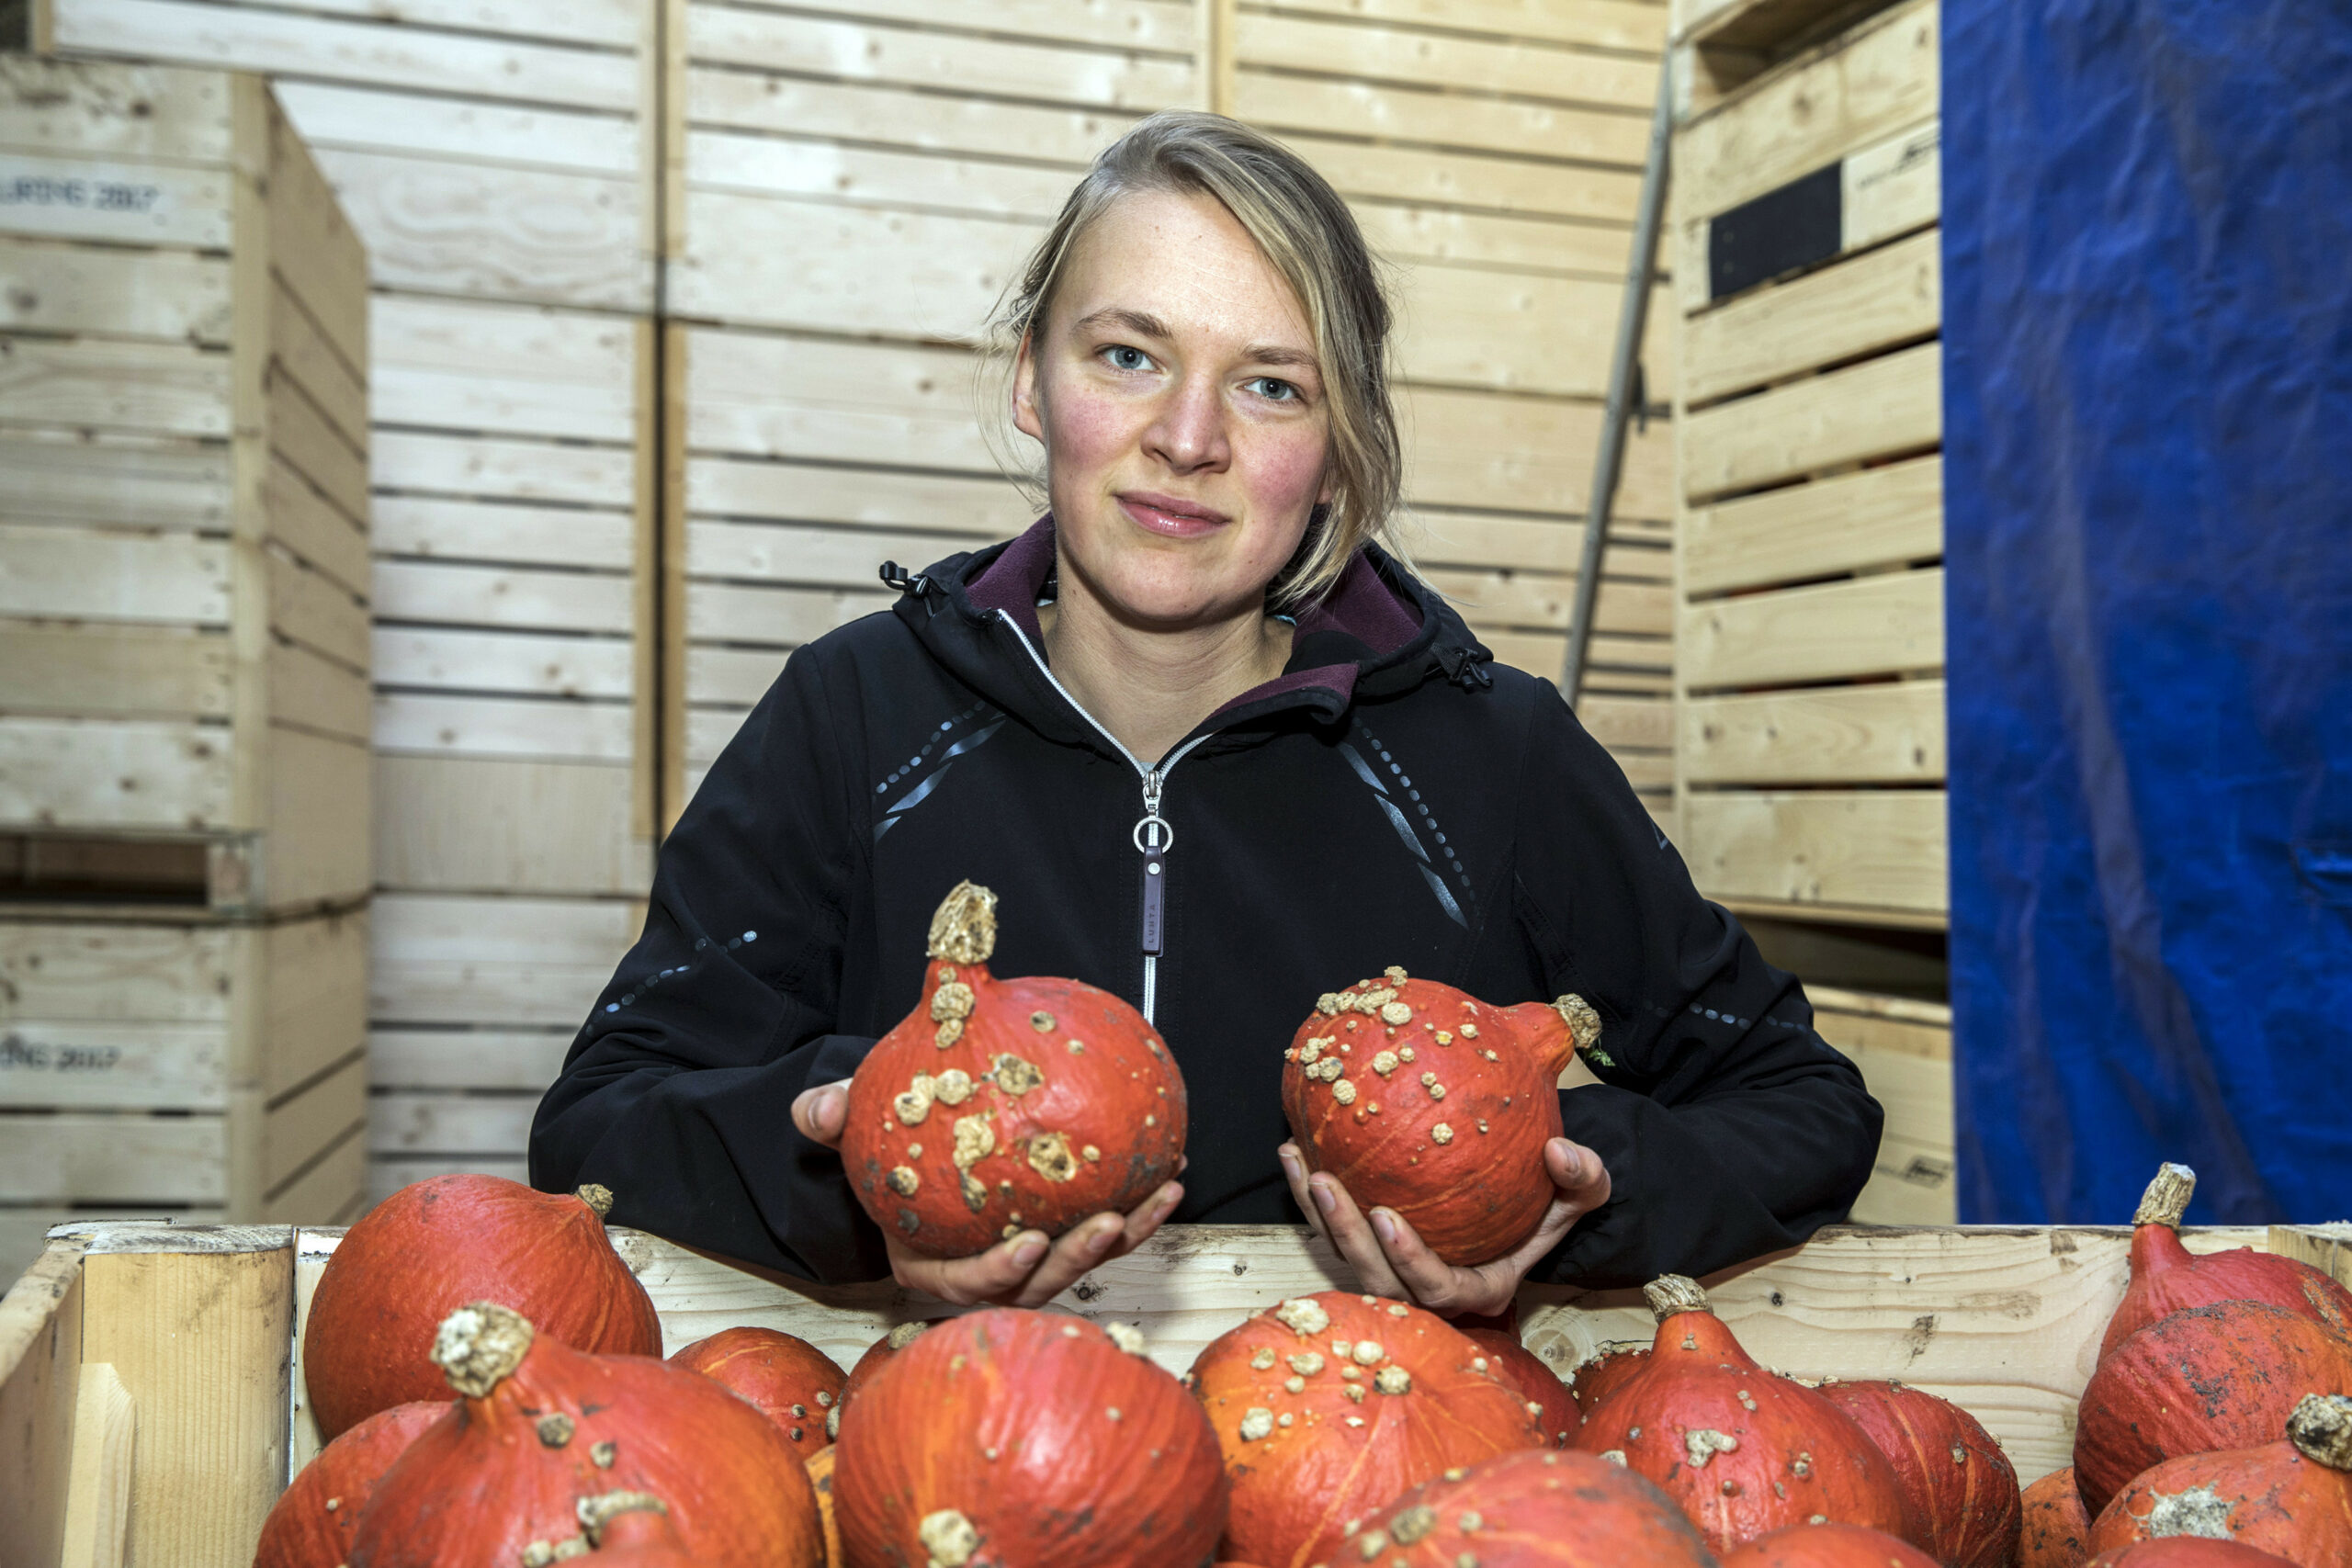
[{"x": 1189, "y": 433}]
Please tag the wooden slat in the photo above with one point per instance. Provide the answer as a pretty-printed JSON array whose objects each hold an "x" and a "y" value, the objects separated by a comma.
[
  {"x": 304, "y": 441},
  {"x": 332, "y": 1188},
  {"x": 450, "y": 594},
  {"x": 414, "y": 657},
  {"x": 1867, "y": 849},
  {"x": 612, "y": 24},
  {"x": 504, "y": 370},
  {"x": 139, "y": 112},
  {"x": 1637, "y": 547},
  {"x": 114, "y": 972},
  {"x": 366, "y": 120},
  {"x": 314, "y": 251},
  {"x": 116, "y": 202},
  {"x": 764, "y": 552},
  {"x": 1427, "y": 232},
  {"x": 374, "y": 52},
  {"x": 304, "y": 353},
  {"x": 91, "y": 774},
  {"x": 773, "y": 261},
  {"x": 773, "y": 617},
  {"x": 466, "y": 1058},
  {"x": 1883, "y": 734},
  {"x": 1308, "y": 44},
  {"x": 158, "y": 389},
  {"x": 1879, "y": 79},
  {"x": 200, "y": 1343},
  {"x": 772, "y": 165},
  {"x": 745, "y": 38},
  {"x": 1365, "y": 170},
  {"x": 1161, "y": 26},
  {"x": 1879, "y": 408},
  {"x": 503, "y": 726},
  {"x": 1863, "y": 306},
  {"x": 1543, "y": 600},
  {"x": 963, "y": 510},
  {"x": 492, "y": 469},
  {"x": 1604, "y": 24},
  {"x": 502, "y": 961},
  {"x": 86, "y": 574},
  {"x": 474, "y": 824},
  {"x": 309, "y": 1123},
  {"x": 309, "y": 523},
  {"x": 314, "y": 609},
  {"x": 48, "y": 286},
  {"x": 1869, "y": 625},
  {"x": 317, "y": 787},
  {"x": 407, "y": 1123},
  {"x": 310, "y": 692},
  {"x": 316, "y": 1010},
  {"x": 177, "y": 486},
  {"x": 1508, "y": 332},
  {"x": 766, "y": 395},
  {"x": 93, "y": 1157},
  {"x": 452, "y": 226},
  {"x": 102, "y": 672},
  {"x": 898, "y": 117},
  {"x": 503, "y": 533},
  {"x": 1874, "y": 517},
  {"x": 84, "y": 1066},
  {"x": 1474, "y": 449},
  {"x": 41, "y": 1357},
  {"x": 1287, "y": 103}
]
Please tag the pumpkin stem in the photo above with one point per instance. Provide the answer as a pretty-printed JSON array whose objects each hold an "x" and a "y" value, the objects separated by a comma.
[
  {"x": 2321, "y": 1429},
  {"x": 2167, "y": 1196},
  {"x": 480, "y": 1345},
  {"x": 1583, "y": 1020},
  {"x": 964, "y": 930},
  {"x": 597, "y": 1513},
  {"x": 1671, "y": 1294},
  {"x": 597, "y": 1197}
]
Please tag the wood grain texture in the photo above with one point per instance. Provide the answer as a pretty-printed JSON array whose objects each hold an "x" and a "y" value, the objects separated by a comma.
[
  {"x": 1873, "y": 517},
  {"x": 1879, "y": 408},
  {"x": 449, "y": 594},
  {"x": 467, "y": 824},
  {"x": 1348, "y": 106},
  {"x": 434, "y": 725},
  {"x": 1355, "y": 46},
  {"x": 518, "y": 663},
  {"x": 503, "y": 533},
  {"x": 445, "y": 1059},
  {"x": 1882, "y": 849},
  {"x": 95, "y": 773},
  {"x": 900, "y": 117},
  {"x": 58, "y": 477},
  {"x": 1864, "y": 625},
  {"x": 491, "y": 468},
  {"x": 494, "y": 961},
  {"x": 175, "y": 296},
  {"x": 97, "y": 1493},
  {"x": 90, "y": 574},
  {"x": 41, "y": 1357},
  {"x": 200, "y": 1342},
  {"x": 1875, "y": 734},
  {"x": 1604, "y": 23},
  {"x": 1873, "y": 302},
  {"x": 86, "y": 670}
]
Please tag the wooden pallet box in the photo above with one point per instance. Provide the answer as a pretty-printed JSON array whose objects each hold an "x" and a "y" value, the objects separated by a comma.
[
  {"x": 183, "y": 571},
  {"x": 1809, "y": 746},
  {"x": 1904, "y": 1048},
  {"x": 152, "y": 1394}
]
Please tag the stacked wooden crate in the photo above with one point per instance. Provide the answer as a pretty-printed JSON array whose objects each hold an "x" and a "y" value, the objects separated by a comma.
[
  {"x": 499, "y": 160},
  {"x": 1811, "y": 652},
  {"x": 853, "y": 197},
  {"x": 184, "y": 654}
]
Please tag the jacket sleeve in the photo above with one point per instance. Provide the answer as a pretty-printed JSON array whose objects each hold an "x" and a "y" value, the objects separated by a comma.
[
  {"x": 678, "y": 1093},
  {"x": 1729, "y": 1127}
]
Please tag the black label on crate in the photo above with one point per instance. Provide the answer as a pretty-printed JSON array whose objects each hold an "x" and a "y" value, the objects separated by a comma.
[
  {"x": 1798, "y": 225},
  {"x": 85, "y": 195}
]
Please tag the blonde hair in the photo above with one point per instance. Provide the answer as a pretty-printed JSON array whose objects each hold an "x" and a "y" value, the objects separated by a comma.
[{"x": 1308, "y": 232}]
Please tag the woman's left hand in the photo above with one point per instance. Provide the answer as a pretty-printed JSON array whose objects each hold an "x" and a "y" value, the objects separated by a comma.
[{"x": 1390, "y": 1260}]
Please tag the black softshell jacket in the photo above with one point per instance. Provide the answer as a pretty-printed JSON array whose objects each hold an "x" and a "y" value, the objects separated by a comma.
[{"x": 1393, "y": 798}]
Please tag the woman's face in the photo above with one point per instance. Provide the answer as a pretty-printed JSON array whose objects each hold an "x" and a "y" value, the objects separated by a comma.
[{"x": 1177, "y": 392}]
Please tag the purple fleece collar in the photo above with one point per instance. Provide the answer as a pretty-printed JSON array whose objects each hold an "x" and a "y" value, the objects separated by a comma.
[{"x": 1360, "y": 605}]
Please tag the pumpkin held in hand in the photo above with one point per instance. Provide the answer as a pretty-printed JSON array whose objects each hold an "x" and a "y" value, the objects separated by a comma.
[
  {"x": 1328, "y": 1405},
  {"x": 2166, "y": 1277},
  {"x": 1530, "y": 1509},
  {"x": 436, "y": 1245},
  {"x": 2224, "y": 1376},
  {"x": 1959, "y": 1487},
  {"x": 2292, "y": 1498},
  {"x": 1743, "y": 1452},
  {"x": 542, "y": 1426},
  {"x": 788, "y": 1380},
  {"x": 1000, "y": 1106},
  {"x": 1009, "y": 1438},
  {"x": 1425, "y": 1101}
]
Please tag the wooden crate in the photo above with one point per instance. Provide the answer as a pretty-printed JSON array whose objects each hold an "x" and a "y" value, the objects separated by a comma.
[
  {"x": 183, "y": 496},
  {"x": 851, "y": 196},
  {"x": 1810, "y": 735},
  {"x": 1904, "y": 1048},
  {"x": 190, "y": 1339}
]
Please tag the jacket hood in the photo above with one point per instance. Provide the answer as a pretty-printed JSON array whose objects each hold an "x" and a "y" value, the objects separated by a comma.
[{"x": 1379, "y": 631}]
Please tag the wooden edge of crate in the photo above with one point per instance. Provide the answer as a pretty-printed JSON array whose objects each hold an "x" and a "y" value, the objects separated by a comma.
[
  {"x": 1874, "y": 1004},
  {"x": 1831, "y": 28},
  {"x": 1841, "y": 914},
  {"x": 33, "y": 1298}
]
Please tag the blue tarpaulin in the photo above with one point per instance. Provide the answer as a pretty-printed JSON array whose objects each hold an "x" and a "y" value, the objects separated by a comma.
[{"x": 2147, "y": 247}]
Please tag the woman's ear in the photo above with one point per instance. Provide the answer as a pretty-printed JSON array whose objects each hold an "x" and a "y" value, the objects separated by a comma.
[{"x": 1025, "y": 417}]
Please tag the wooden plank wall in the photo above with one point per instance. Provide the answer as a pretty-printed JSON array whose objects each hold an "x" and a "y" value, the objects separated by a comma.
[
  {"x": 498, "y": 159},
  {"x": 1811, "y": 736},
  {"x": 836, "y": 172}
]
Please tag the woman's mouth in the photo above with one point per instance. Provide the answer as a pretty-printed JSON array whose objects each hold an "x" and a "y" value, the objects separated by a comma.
[{"x": 1170, "y": 517}]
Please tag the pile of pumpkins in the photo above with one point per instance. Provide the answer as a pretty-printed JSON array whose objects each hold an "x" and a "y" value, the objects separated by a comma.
[{"x": 1330, "y": 1429}]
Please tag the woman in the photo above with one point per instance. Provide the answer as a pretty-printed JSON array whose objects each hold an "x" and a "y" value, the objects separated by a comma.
[{"x": 1217, "y": 752}]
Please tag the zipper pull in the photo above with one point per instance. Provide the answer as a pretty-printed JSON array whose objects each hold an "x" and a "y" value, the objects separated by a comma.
[{"x": 1153, "y": 838}]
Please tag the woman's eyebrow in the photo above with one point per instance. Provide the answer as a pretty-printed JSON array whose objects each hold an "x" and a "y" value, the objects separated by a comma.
[
  {"x": 1274, "y": 354},
  {"x": 1139, "y": 322}
]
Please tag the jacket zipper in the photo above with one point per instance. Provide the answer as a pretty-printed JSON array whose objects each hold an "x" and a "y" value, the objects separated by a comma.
[{"x": 1153, "y": 837}]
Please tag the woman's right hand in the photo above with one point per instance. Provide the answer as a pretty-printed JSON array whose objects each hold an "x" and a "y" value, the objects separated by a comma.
[{"x": 1026, "y": 1270}]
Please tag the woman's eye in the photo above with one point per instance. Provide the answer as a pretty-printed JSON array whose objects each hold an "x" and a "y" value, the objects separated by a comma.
[
  {"x": 1272, "y": 389},
  {"x": 1122, "y": 358}
]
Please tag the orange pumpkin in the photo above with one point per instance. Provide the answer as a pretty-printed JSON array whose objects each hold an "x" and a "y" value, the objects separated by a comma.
[
  {"x": 2167, "y": 1277},
  {"x": 2057, "y": 1532},
  {"x": 1958, "y": 1486},
  {"x": 1033, "y": 1438},
  {"x": 2224, "y": 1376},
  {"x": 1423, "y": 1099},
  {"x": 2187, "y": 1551},
  {"x": 314, "y": 1519},
  {"x": 1547, "y": 1397},
  {"x": 1827, "y": 1546},
  {"x": 1592, "y": 1383},
  {"x": 631, "y": 1529},
  {"x": 2292, "y": 1498},
  {"x": 1530, "y": 1509},
  {"x": 436, "y": 1245},
  {"x": 542, "y": 1426},
  {"x": 821, "y": 1476},
  {"x": 1328, "y": 1405},
  {"x": 788, "y": 1380},
  {"x": 1743, "y": 1451},
  {"x": 999, "y": 1106}
]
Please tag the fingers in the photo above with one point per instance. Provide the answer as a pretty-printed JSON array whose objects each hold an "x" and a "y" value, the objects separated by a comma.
[
  {"x": 1577, "y": 1172},
  {"x": 1097, "y": 1240},
  {"x": 1352, "y": 1234},
  {"x": 1427, "y": 1278},
  {"x": 821, "y": 1112},
  {"x": 1295, "y": 1172},
  {"x": 1031, "y": 1268}
]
